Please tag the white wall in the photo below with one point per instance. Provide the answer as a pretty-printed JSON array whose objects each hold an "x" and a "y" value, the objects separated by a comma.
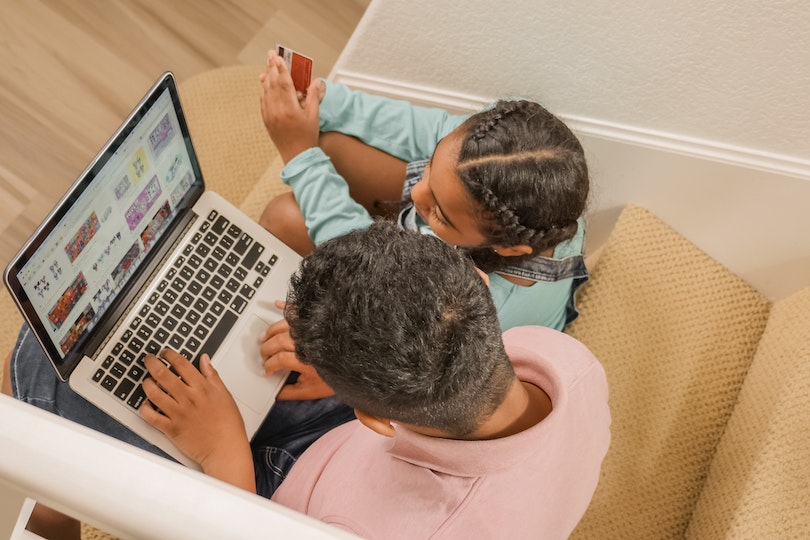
[{"x": 698, "y": 110}]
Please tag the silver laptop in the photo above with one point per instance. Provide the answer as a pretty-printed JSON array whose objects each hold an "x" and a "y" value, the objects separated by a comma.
[{"x": 137, "y": 256}]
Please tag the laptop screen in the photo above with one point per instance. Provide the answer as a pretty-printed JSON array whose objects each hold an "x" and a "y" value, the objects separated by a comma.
[{"x": 107, "y": 226}]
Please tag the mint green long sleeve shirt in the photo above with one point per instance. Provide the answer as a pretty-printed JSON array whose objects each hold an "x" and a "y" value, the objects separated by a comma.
[{"x": 410, "y": 133}]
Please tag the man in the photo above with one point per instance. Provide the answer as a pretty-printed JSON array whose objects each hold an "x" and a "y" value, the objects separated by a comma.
[{"x": 460, "y": 431}]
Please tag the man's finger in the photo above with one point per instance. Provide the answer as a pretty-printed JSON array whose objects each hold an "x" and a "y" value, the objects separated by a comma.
[
  {"x": 158, "y": 397},
  {"x": 181, "y": 365},
  {"x": 278, "y": 327},
  {"x": 162, "y": 375},
  {"x": 283, "y": 360}
]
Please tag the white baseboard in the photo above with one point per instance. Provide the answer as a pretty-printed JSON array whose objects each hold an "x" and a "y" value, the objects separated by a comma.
[{"x": 466, "y": 103}]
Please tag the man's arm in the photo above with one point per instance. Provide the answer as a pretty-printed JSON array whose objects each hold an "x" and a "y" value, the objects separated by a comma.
[{"x": 198, "y": 414}]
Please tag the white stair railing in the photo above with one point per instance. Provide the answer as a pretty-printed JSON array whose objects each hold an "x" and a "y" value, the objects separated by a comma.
[{"x": 128, "y": 492}]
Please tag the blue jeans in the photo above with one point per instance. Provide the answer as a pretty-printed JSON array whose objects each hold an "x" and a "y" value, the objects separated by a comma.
[{"x": 286, "y": 433}]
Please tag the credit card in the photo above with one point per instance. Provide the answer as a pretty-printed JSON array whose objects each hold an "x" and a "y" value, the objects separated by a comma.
[{"x": 300, "y": 67}]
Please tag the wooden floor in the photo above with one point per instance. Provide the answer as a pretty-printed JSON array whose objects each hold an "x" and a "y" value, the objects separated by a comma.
[{"x": 70, "y": 71}]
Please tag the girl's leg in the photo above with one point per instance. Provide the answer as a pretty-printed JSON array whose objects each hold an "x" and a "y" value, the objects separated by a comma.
[
  {"x": 375, "y": 180},
  {"x": 283, "y": 218}
]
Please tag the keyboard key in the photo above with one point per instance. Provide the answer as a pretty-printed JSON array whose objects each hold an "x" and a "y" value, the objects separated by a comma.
[
  {"x": 184, "y": 329},
  {"x": 124, "y": 389},
  {"x": 137, "y": 398},
  {"x": 178, "y": 311},
  {"x": 153, "y": 319},
  {"x": 144, "y": 332},
  {"x": 247, "y": 291},
  {"x": 175, "y": 342},
  {"x": 161, "y": 335},
  {"x": 220, "y": 225},
  {"x": 136, "y": 345},
  {"x": 210, "y": 239},
  {"x": 127, "y": 357},
  {"x": 201, "y": 305},
  {"x": 243, "y": 244},
  {"x": 209, "y": 293},
  {"x": 218, "y": 335},
  {"x": 253, "y": 255},
  {"x": 238, "y": 304},
  {"x": 169, "y": 323},
  {"x": 209, "y": 320},
  {"x": 118, "y": 370},
  {"x": 194, "y": 287},
  {"x": 153, "y": 347},
  {"x": 136, "y": 373}
]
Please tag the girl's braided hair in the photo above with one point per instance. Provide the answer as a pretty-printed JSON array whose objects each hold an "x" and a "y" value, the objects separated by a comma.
[{"x": 526, "y": 171}]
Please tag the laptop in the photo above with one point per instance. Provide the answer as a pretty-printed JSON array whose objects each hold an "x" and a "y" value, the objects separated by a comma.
[{"x": 138, "y": 256}]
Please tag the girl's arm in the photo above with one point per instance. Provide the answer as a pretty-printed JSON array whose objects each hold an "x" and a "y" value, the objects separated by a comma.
[
  {"x": 406, "y": 131},
  {"x": 323, "y": 195}
]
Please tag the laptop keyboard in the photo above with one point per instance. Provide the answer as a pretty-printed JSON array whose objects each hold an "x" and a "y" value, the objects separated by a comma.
[{"x": 195, "y": 305}]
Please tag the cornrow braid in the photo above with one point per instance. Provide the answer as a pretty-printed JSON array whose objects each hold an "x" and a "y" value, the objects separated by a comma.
[
  {"x": 526, "y": 172},
  {"x": 497, "y": 115}
]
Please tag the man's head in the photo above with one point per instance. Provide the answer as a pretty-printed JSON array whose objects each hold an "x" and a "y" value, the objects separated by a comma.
[{"x": 402, "y": 327}]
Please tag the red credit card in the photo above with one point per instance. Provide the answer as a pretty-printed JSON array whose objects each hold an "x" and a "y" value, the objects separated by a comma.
[{"x": 300, "y": 67}]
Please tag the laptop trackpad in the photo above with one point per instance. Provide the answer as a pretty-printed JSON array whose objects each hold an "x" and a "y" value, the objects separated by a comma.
[{"x": 240, "y": 367}]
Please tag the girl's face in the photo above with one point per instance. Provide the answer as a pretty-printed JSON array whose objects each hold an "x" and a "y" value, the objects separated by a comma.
[{"x": 442, "y": 201}]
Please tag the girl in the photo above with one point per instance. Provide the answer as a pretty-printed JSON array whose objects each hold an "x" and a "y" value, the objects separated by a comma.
[{"x": 508, "y": 185}]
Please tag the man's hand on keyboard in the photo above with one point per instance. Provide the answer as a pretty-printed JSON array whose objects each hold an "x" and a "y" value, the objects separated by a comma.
[
  {"x": 278, "y": 352},
  {"x": 198, "y": 414}
]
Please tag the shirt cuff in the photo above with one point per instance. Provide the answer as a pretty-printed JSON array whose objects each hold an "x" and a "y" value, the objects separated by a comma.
[{"x": 302, "y": 162}]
